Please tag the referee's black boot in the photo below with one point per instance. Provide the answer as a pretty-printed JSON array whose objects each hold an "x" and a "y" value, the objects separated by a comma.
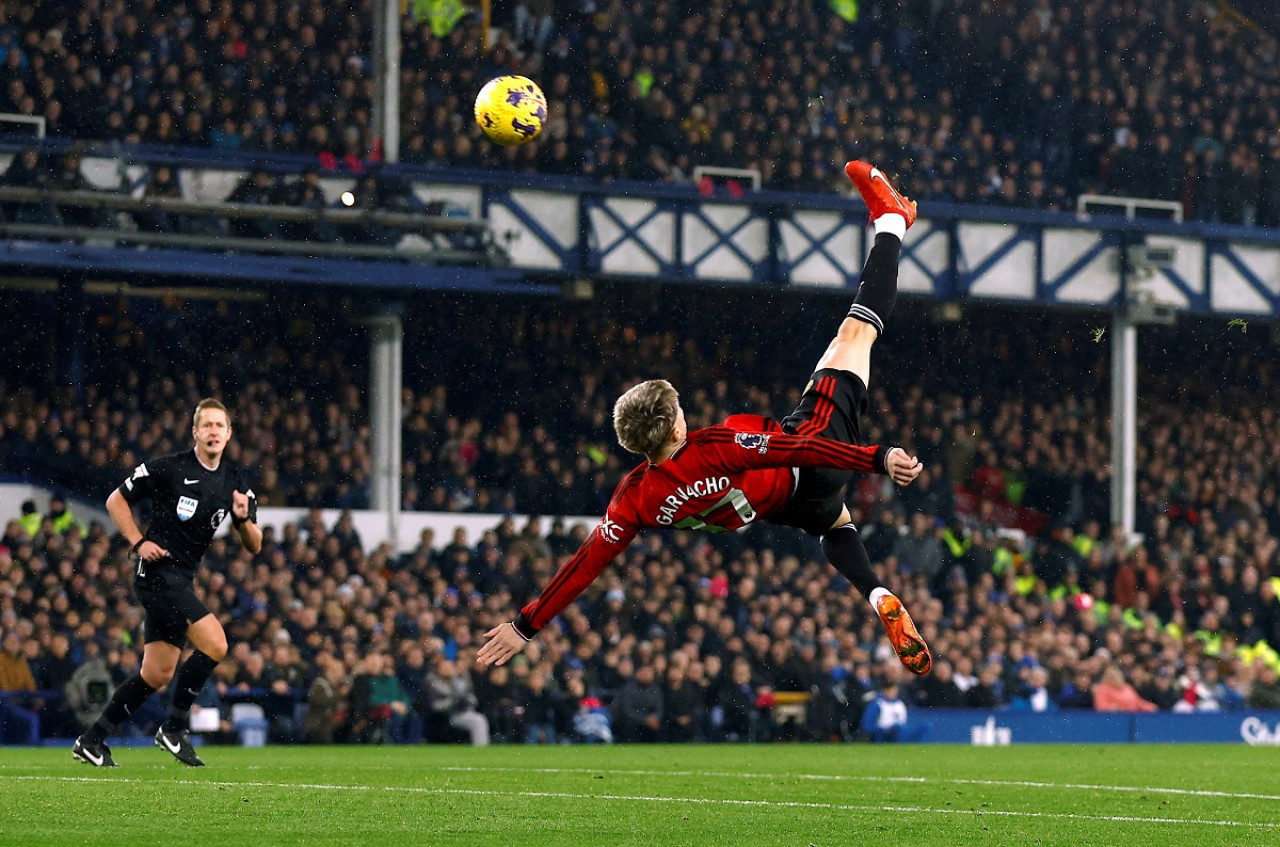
[
  {"x": 95, "y": 753},
  {"x": 179, "y": 744}
]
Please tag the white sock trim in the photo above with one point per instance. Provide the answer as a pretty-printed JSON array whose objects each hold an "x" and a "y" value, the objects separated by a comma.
[
  {"x": 876, "y": 594},
  {"x": 892, "y": 223},
  {"x": 862, "y": 313}
]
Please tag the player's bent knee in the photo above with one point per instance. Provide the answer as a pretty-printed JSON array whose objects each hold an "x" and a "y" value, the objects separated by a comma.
[
  {"x": 157, "y": 678},
  {"x": 215, "y": 647},
  {"x": 217, "y": 651}
]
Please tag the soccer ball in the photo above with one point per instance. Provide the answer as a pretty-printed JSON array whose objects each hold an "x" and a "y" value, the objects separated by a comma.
[{"x": 511, "y": 109}]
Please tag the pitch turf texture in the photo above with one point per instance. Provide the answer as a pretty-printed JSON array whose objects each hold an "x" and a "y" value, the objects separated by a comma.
[{"x": 649, "y": 795}]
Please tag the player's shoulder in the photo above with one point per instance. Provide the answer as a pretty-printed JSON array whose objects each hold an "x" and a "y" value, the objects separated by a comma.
[{"x": 628, "y": 483}]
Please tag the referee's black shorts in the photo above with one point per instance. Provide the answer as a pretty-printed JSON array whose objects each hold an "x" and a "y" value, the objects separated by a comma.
[
  {"x": 171, "y": 604},
  {"x": 832, "y": 407}
]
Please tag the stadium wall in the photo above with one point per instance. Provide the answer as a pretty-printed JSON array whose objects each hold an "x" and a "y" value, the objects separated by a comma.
[
  {"x": 374, "y": 530},
  {"x": 1012, "y": 726}
]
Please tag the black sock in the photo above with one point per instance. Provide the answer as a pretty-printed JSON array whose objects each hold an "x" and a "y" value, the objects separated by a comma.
[
  {"x": 878, "y": 288},
  {"x": 192, "y": 676},
  {"x": 131, "y": 694},
  {"x": 844, "y": 550}
]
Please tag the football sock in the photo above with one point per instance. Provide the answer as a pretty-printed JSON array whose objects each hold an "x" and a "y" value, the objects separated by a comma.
[
  {"x": 878, "y": 288},
  {"x": 892, "y": 223},
  {"x": 192, "y": 676},
  {"x": 844, "y": 550},
  {"x": 131, "y": 694}
]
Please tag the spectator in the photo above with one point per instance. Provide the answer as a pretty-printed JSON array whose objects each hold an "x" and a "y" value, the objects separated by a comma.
[
  {"x": 1160, "y": 690},
  {"x": 1036, "y": 696},
  {"x": 683, "y": 707},
  {"x": 886, "y": 718},
  {"x": 326, "y": 705},
  {"x": 735, "y": 716},
  {"x": 257, "y": 188},
  {"x": 1266, "y": 689},
  {"x": 1113, "y": 693},
  {"x": 539, "y": 711},
  {"x": 591, "y": 722},
  {"x": 369, "y": 719},
  {"x": 920, "y": 551},
  {"x": 15, "y": 672},
  {"x": 938, "y": 689},
  {"x": 451, "y": 698},
  {"x": 30, "y": 170},
  {"x": 1079, "y": 692},
  {"x": 638, "y": 711}
]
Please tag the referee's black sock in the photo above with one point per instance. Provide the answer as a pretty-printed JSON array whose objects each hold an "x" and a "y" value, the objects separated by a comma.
[
  {"x": 878, "y": 289},
  {"x": 192, "y": 676},
  {"x": 131, "y": 694},
  {"x": 844, "y": 550}
]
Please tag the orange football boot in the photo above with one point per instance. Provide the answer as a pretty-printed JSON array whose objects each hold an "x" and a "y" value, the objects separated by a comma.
[
  {"x": 880, "y": 197},
  {"x": 906, "y": 640}
]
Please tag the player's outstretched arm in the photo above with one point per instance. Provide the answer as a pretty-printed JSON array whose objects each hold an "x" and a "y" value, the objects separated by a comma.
[{"x": 606, "y": 541}]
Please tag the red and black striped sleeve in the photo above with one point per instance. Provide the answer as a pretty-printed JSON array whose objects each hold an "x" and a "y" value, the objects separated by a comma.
[
  {"x": 738, "y": 451},
  {"x": 610, "y": 537}
]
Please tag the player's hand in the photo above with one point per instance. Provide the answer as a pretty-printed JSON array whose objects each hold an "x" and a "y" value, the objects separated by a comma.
[
  {"x": 903, "y": 468},
  {"x": 240, "y": 505},
  {"x": 504, "y": 642},
  {"x": 150, "y": 551}
]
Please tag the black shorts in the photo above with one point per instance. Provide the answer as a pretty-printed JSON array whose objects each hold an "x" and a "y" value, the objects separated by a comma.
[
  {"x": 171, "y": 604},
  {"x": 832, "y": 407}
]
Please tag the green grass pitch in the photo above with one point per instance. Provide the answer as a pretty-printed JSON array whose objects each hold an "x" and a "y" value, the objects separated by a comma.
[{"x": 819, "y": 795}]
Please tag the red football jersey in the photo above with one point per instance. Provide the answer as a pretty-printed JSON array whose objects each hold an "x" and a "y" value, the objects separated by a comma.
[{"x": 722, "y": 478}]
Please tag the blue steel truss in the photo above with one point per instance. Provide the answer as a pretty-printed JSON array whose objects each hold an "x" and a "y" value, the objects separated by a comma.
[{"x": 559, "y": 228}]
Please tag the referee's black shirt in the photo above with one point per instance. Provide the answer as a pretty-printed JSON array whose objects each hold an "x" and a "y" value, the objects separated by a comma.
[{"x": 188, "y": 503}]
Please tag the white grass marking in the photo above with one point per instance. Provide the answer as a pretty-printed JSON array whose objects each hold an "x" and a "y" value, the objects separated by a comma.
[
  {"x": 641, "y": 798},
  {"x": 1144, "y": 789}
]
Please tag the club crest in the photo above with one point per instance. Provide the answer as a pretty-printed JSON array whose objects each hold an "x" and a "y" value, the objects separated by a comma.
[{"x": 187, "y": 507}]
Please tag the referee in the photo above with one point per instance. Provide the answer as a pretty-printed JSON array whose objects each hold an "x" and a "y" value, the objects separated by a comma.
[{"x": 191, "y": 494}]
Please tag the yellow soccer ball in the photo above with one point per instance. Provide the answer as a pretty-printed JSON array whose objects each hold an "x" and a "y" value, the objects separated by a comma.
[{"x": 511, "y": 109}]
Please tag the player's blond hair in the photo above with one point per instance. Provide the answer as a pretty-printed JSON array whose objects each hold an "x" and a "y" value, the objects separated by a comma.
[
  {"x": 645, "y": 415},
  {"x": 209, "y": 403}
]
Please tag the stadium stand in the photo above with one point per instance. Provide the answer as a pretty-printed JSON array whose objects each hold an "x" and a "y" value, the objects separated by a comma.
[
  {"x": 967, "y": 100},
  {"x": 1185, "y": 616},
  {"x": 1029, "y": 601}
]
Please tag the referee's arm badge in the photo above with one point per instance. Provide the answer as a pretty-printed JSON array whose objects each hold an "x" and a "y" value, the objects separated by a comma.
[{"x": 138, "y": 473}]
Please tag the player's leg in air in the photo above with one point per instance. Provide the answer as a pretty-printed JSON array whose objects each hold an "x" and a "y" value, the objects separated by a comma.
[{"x": 850, "y": 352}]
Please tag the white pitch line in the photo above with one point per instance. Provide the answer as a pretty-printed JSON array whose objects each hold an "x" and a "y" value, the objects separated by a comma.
[
  {"x": 996, "y": 783},
  {"x": 640, "y": 798}
]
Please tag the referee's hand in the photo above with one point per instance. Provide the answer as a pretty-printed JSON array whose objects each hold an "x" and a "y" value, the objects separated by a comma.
[
  {"x": 240, "y": 505},
  {"x": 149, "y": 551},
  {"x": 504, "y": 642}
]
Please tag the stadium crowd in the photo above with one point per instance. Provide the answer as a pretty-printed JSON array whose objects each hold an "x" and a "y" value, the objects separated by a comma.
[
  {"x": 691, "y": 636},
  {"x": 1005, "y": 102}
]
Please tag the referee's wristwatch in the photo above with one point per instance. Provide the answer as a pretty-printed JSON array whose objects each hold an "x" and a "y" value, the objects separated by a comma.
[{"x": 235, "y": 521}]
